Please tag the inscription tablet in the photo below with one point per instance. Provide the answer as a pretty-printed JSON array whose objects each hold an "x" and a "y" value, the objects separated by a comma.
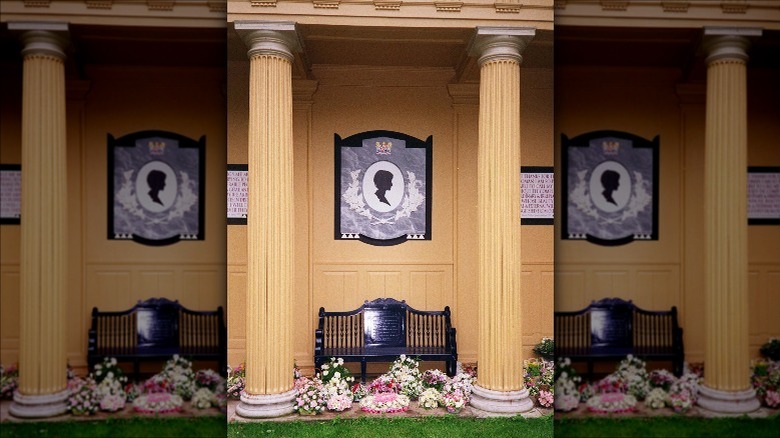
[
  {"x": 157, "y": 329},
  {"x": 385, "y": 327},
  {"x": 611, "y": 328}
]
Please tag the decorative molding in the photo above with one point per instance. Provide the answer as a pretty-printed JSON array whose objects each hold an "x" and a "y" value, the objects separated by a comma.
[
  {"x": 99, "y": 4},
  {"x": 500, "y": 43},
  {"x": 160, "y": 5},
  {"x": 37, "y": 3},
  {"x": 614, "y": 5},
  {"x": 263, "y": 3},
  {"x": 675, "y": 6},
  {"x": 326, "y": 4},
  {"x": 217, "y": 6},
  {"x": 388, "y": 5},
  {"x": 448, "y": 6},
  {"x": 734, "y": 6},
  {"x": 508, "y": 7},
  {"x": 276, "y": 38}
]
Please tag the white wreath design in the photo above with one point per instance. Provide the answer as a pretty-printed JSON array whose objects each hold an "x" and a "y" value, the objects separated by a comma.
[
  {"x": 184, "y": 201},
  {"x": 411, "y": 202},
  {"x": 581, "y": 198}
]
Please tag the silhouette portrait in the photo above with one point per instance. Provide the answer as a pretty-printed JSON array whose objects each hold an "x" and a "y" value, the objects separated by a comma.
[
  {"x": 383, "y": 180},
  {"x": 156, "y": 181},
  {"x": 610, "y": 180}
]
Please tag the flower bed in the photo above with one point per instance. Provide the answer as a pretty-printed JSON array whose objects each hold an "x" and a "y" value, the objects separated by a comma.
[
  {"x": 384, "y": 403},
  {"x": 611, "y": 403},
  {"x": 158, "y": 403}
]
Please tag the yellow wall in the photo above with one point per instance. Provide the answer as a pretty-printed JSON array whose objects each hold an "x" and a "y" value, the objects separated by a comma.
[
  {"x": 669, "y": 272},
  {"x": 340, "y": 275},
  {"x": 114, "y": 275}
]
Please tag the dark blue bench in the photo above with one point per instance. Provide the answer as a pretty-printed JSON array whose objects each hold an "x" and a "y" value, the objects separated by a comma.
[
  {"x": 611, "y": 329},
  {"x": 383, "y": 329},
  {"x": 156, "y": 329}
]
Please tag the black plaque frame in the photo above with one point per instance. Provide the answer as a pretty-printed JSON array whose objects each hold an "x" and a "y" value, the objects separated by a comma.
[
  {"x": 763, "y": 221},
  {"x": 172, "y": 235},
  {"x": 569, "y": 210},
  {"x": 10, "y": 220},
  {"x": 397, "y": 236}
]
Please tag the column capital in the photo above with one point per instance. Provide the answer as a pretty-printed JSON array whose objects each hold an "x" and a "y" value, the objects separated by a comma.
[
  {"x": 728, "y": 42},
  {"x": 277, "y": 38},
  {"x": 41, "y": 38},
  {"x": 500, "y": 43}
]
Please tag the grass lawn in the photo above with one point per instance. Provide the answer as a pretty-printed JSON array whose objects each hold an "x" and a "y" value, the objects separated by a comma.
[
  {"x": 213, "y": 426},
  {"x": 669, "y": 427},
  {"x": 399, "y": 427}
]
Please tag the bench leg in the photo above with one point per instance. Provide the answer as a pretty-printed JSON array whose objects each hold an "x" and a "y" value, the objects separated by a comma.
[
  {"x": 590, "y": 369},
  {"x": 363, "y": 370}
]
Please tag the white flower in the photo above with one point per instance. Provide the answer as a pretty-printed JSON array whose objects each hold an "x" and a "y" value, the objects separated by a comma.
[
  {"x": 325, "y": 367},
  {"x": 337, "y": 375}
]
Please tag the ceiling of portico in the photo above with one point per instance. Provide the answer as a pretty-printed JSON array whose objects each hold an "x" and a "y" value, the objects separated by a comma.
[
  {"x": 130, "y": 46},
  {"x": 438, "y": 48},
  {"x": 676, "y": 48}
]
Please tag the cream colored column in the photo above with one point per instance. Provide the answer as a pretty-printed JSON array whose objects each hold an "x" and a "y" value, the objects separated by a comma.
[
  {"x": 42, "y": 357},
  {"x": 500, "y": 387},
  {"x": 270, "y": 218},
  {"x": 727, "y": 375}
]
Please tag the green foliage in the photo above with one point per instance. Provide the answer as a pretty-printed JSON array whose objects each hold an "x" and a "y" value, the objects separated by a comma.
[
  {"x": 399, "y": 427},
  {"x": 668, "y": 426},
  {"x": 207, "y": 426},
  {"x": 771, "y": 349},
  {"x": 545, "y": 349}
]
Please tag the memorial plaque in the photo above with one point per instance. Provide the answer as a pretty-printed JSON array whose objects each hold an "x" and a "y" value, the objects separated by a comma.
[
  {"x": 157, "y": 329},
  {"x": 385, "y": 327},
  {"x": 10, "y": 193},
  {"x": 538, "y": 201},
  {"x": 611, "y": 328},
  {"x": 237, "y": 193},
  {"x": 764, "y": 195}
]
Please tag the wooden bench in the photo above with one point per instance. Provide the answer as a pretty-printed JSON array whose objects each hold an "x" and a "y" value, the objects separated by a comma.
[
  {"x": 156, "y": 329},
  {"x": 383, "y": 329},
  {"x": 613, "y": 328}
]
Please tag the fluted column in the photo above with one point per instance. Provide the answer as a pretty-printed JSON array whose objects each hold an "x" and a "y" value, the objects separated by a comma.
[
  {"x": 500, "y": 387},
  {"x": 270, "y": 218},
  {"x": 42, "y": 357},
  {"x": 727, "y": 377}
]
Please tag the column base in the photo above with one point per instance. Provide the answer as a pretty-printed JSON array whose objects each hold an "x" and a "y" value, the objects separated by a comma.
[
  {"x": 266, "y": 405},
  {"x": 39, "y": 406},
  {"x": 500, "y": 403},
  {"x": 728, "y": 402}
]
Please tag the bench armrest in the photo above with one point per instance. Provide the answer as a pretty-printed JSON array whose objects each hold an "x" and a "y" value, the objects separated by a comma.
[{"x": 451, "y": 342}]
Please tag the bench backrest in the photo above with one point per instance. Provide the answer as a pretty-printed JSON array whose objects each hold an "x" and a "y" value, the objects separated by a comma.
[
  {"x": 615, "y": 326},
  {"x": 157, "y": 326},
  {"x": 384, "y": 323}
]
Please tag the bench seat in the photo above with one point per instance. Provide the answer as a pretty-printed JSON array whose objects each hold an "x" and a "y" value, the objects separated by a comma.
[
  {"x": 612, "y": 328},
  {"x": 155, "y": 330},
  {"x": 381, "y": 331}
]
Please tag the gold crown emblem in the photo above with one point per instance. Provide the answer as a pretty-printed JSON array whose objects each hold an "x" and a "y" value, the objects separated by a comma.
[
  {"x": 610, "y": 147},
  {"x": 156, "y": 147},
  {"x": 384, "y": 147}
]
